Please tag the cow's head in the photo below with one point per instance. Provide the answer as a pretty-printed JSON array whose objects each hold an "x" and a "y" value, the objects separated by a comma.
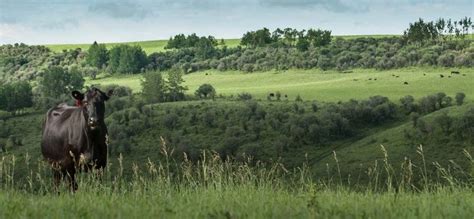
[{"x": 93, "y": 101}]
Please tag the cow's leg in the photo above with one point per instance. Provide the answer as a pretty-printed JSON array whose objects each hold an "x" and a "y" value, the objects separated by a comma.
[
  {"x": 71, "y": 175},
  {"x": 56, "y": 179}
]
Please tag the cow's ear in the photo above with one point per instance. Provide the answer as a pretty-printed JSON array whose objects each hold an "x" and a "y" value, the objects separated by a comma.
[{"x": 77, "y": 95}]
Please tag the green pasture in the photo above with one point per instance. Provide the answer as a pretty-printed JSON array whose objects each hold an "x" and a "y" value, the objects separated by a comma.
[{"x": 320, "y": 85}]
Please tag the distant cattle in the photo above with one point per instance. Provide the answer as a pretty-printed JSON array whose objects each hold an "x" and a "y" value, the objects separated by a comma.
[
  {"x": 449, "y": 76},
  {"x": 463, "y": 74},
  {"x": 370, "y": 79},
  {"x": 375, "y": 79},
  {"x": 424, "y": 74},
  {"x": 397, "y": 76},
  {"x": 271, "y": 94},
  {"x": 441, "y": 76},
  {"x": 75, "y": 137},
  {"x": 455, "y": 72},
  {"x": 406, "y": 83}
]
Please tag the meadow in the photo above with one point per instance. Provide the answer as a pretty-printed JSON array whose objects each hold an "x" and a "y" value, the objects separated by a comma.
[
  {"x": 214, "y": 188},
  {"x": 321, "y": 85}
]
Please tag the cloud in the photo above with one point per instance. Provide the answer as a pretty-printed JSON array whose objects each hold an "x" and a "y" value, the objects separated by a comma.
[
  {"x": 120, "y": 10},
  {"x": 337, "y": 6},
  {"x": 60, "y": 24}
]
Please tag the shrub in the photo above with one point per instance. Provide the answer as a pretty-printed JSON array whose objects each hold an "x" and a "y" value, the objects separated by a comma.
[
  {"x": 446, "y": 60},
  {"x": 205, "y": 91},
  {"x": 460, "y": 98},
  {"x": 244, "y": 96}
]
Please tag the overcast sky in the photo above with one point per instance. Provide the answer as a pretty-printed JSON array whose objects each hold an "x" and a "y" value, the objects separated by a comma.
[{"x": 84, "y": 21}]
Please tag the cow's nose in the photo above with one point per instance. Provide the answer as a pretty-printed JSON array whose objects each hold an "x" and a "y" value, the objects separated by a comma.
[{"x": 92, "y": 120}]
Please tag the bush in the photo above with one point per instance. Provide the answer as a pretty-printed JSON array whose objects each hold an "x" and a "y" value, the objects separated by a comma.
[
  {"x": 446, "y": 60},
  {"x": 460, "y": 98},
  {"x": 244, "y": 96},
  {"x": 205, "y": 91}
]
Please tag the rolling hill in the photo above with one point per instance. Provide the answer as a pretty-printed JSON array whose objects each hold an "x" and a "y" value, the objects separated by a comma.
[{"x": 322, "y": 85}]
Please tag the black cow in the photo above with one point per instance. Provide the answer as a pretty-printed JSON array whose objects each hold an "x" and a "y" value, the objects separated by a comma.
[{"x": 75, "y": 136}]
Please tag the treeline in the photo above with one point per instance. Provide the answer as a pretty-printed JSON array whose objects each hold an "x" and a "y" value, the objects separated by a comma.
[
  {"x": 441, "y": 29},
  {"x": 385, "y": 53},
  {"x": 181, "y": 41},
  {"x": 287, "y": 37}
]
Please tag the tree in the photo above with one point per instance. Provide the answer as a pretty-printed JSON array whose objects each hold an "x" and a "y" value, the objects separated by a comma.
[
  {"x": 444, "y": 122},
  {"x": 153, "y": 87},
  {"x": 175, "y": 88},
  {"x": 205, "y": 91},
  {"x": 57, "y": 81},
  {"x": 460, "y": 98},
  {"x": 97, "y": 55},
  {"x": 302, "y": 44},
  {"x": 15, "y": 96},
  {"x": 319, "y": 37},
  {"x": 127, "y": 59},
  {"x": 408, "y": 104}
]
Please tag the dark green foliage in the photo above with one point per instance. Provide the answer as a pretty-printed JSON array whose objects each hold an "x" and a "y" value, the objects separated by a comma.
[
  {"x": 23, "y": 62},
  {"x": 421, "y": 32},
  {"x": 302, "y": 40},
  {"x": 57, "y": 81},
  {"x": 414, "y": 116},
  {"x": 15, "y": 96},
  {"x": 181, "y": 41},
  {"x": 205, "y": 91},
  {"x": 175, "y": 89},
  {"x": 444, "y": 122},
  {"x": 126, "y": 59},
  {"x": 434, "y": 102},
  {"x": 408, "y": 104},
  {"x": 244, "y": 96},
  {"x": 153, "y": 87},
  {"x": 256, "y": 38},
  {"x": 298, "y": 98},
  {"x": 97, "y": 55},
  {"x": 460, "y": 98}
]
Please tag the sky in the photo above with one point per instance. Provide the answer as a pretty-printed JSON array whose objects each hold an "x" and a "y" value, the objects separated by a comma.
[{"x": 85, "y": 21}]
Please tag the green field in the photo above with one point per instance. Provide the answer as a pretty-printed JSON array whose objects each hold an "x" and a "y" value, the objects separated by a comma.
[
  {"x": 323, "y": 85},
  {"x": 218, "y": 189},
  {"x": 149, "y": 47}
]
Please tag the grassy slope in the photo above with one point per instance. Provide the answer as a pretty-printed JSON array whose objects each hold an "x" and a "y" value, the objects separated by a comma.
[
  {"x": 323, "y": 85},
  {"x": 361, "y": 153}
]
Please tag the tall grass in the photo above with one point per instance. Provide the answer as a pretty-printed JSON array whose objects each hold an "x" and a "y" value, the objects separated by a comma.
[{"x": 226, "y": 188}]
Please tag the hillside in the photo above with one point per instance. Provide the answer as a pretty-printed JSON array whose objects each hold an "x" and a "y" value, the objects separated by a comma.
[
  {"x": 322, "y": 85},
  {"x": 358, "y": 155}
]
